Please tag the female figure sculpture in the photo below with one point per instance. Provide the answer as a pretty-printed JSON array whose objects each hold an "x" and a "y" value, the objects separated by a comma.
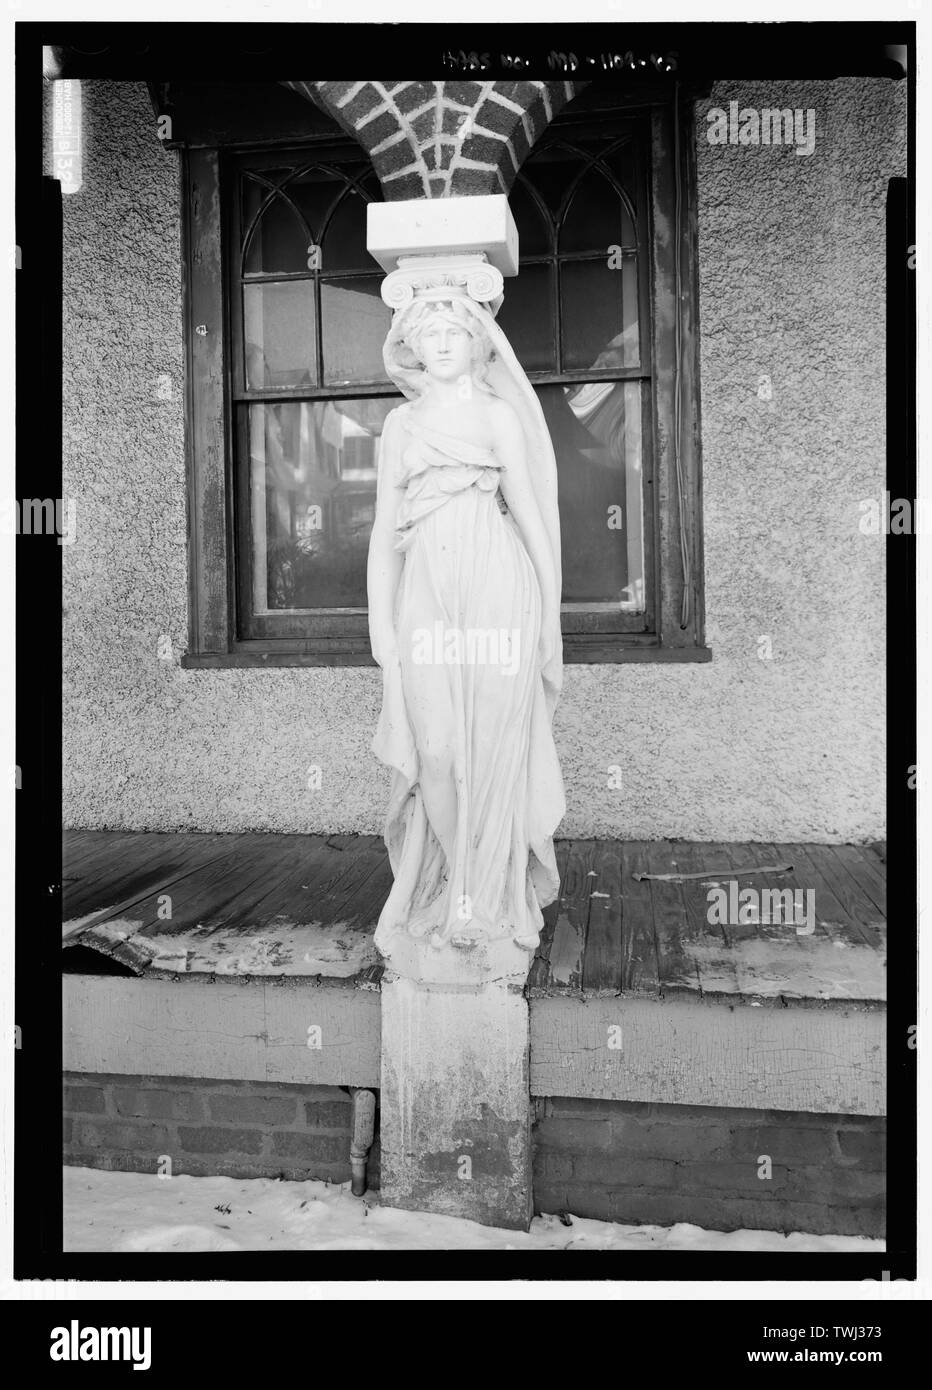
[{"x": 464, "y": 620}]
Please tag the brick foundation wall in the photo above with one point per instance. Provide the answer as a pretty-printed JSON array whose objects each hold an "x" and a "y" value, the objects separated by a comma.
[
  {"x": 613, "y": 1160},
  {"x": 238, "y": 1129},
  {"x": 659, "y": 1164}
]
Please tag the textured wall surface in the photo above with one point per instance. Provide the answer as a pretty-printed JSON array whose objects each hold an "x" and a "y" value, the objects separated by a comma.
[{"x": 790, "y": 747}]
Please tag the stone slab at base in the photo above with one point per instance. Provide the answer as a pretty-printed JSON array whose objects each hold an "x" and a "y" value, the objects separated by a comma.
[
  {"x": 455, "y": 1108},
  {"x": 465, "y": 966}
]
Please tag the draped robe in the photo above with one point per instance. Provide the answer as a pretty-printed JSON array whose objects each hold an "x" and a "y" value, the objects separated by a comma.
[{"x": 465, "y": 715}]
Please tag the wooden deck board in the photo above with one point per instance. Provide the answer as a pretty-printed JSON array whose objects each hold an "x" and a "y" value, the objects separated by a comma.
[
  {"x": 870, "y": 879},
  {"x": 569, "y": 935},
  {"x": 540, "y": 966},
  {"x": 602, "y": 962},
  {"x": 282, "y": 896},
  {"x": 704, "y": 941},
  {"x": 639, "y": 941},
  {"x": 134, "y": 868},
  {"x": 676, "y": 967},
  {"x": 227, "y": 894},
  {"x": 834, "y": 895},
  {"x": 770, "y": 965},
  {"x": 687, "y": 858},
  {"x": 745, "y": 872},
  {"x": 775, "y": 874},
  {"x": 85, "y": 847},
  {"x": 866, "y": 920},
  {"x": 249, "y": 903},
  {"x": 362, "y": 861},
  {"x": 94, "y": 866},
  {"x": 308, "y": 904},
  {"x": 216, "y": 893}
]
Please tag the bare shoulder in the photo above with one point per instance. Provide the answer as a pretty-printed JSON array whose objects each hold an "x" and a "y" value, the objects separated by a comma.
[
  {"x": 394, "y": 420},
  {"x": 502, "y": 414},
  {"x": 395, "y": 414}
]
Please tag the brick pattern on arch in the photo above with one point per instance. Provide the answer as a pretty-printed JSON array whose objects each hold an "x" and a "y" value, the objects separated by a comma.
[{"x": 443, "y": 139}]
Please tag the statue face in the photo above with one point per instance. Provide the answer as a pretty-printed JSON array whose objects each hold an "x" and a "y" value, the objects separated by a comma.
[{"x": 445, "y": 348}]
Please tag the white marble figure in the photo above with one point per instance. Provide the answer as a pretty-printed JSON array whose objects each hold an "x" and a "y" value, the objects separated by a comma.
[{"x": 464, "y": 620}]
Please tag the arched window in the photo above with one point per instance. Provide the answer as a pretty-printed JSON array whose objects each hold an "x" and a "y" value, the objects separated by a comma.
[
  {"x": 578, "y": 315},
  {"x": 309, "y": 388},
  {"x": 288, "y": 395}
]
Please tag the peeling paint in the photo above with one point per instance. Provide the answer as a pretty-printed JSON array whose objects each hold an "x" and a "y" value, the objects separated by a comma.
[{"x": 277, "y": 948}]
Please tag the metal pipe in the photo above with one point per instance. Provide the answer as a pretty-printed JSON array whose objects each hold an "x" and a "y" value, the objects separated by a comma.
[{"x": 363, "y": 1135}]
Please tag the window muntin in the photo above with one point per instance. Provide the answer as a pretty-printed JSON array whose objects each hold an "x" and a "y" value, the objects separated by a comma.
[
  {"x": 309, "y": 393},
  {"x": 580, "y": 325}
]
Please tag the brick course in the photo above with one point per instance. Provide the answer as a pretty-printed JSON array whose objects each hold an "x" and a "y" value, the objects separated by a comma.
[
  {"x": 237, "y": 1129},
  {"x": 660, "y": 1164},
  {"x": 457, "y": 139},
  {"x": 613, "y": 1160}
]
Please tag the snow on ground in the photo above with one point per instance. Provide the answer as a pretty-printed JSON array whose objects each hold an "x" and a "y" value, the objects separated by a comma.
[{"x": 138, "y": 1212}]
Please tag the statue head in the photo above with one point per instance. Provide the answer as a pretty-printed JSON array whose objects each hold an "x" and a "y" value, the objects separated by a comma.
[{"x": 441, "y": 339}]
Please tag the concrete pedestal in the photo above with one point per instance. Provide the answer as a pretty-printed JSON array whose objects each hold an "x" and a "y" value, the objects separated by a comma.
[{"x": 455, "y": 1124}]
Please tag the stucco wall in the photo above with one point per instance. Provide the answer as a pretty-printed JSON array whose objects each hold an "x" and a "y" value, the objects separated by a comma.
[{"x": 791, "y": 747}]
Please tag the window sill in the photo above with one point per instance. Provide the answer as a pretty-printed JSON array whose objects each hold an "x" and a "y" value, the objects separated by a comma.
[{"x": 599, "y": 652}]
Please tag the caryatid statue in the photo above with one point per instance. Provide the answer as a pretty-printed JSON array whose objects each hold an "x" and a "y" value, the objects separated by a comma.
[{"x": 464, "y": 620}]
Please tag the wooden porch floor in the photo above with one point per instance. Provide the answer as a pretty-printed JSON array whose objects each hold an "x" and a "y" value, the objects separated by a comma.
[{"x": 631, "y": 918}]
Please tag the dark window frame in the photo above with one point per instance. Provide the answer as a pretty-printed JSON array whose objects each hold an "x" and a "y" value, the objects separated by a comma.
[
  {"x": 673, "y": 518},
  {"x": 324, "y": 627}
]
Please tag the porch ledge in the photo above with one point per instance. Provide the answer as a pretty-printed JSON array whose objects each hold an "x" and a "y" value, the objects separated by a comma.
[{"x": 250, "y": 957}]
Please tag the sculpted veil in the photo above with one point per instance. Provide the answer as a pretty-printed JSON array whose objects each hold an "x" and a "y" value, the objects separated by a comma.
[{"x": 464, "y": 592}]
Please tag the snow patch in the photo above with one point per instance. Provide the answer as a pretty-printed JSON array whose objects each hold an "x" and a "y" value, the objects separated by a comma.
[{"x": 129, "y": 1213}]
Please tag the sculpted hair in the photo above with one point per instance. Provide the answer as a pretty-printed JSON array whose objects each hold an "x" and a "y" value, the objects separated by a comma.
[{"x": 482, "y": 350}]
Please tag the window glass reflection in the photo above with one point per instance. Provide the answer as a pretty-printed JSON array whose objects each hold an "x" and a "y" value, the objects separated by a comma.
[
  {"x": 313, "y": 467},
  {"x": 600, "y": 313},
  {"x": 596, "y": 433},
  {"x": 355, "y": 322},
  {"x": 278, "y": 243},
  {"x": 526, "y": 316},
  {"x": 596, "y": 217},
  {"x": 280, "y": 339}
]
